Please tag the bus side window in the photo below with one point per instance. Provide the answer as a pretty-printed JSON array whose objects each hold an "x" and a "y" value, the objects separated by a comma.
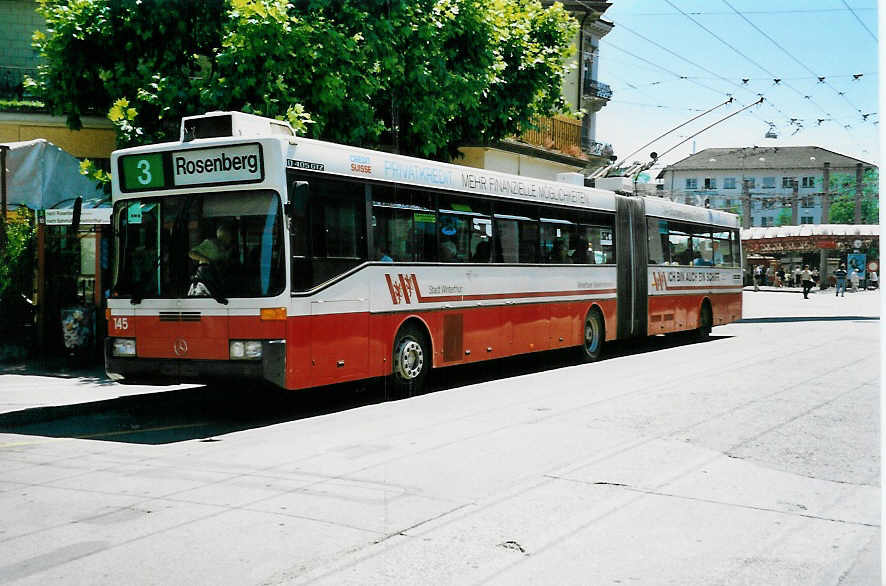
[
  {"x": 657, "y": 236},
  {"x": 297, "y": 209}
]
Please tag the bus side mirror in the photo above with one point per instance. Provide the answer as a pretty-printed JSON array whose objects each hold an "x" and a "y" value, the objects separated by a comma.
[
  {"x": 75, "y": 219},
  {"x": 298, "y": 195}
]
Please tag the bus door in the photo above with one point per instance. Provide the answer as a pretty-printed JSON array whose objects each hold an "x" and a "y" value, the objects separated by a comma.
[
  {"x": 631, "y": 260},
  {"x": 334, "y": 224}
]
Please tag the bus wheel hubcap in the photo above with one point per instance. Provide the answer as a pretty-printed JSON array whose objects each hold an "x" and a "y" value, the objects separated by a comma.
[
  {"x": 410, "y": 359},
  {"x": 592, "y": 336}
]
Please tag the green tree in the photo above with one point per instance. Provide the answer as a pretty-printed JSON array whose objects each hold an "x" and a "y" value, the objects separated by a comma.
[
  {"x": 784, "y": 218},
  {"x": 156, "y": 53},
  {"x": 421, "y": 76},
  {"x": 17, "y": 257},
  {"x": 842, "y": 189}
]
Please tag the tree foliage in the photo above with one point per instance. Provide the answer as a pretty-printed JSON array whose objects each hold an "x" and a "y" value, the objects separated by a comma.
[
  {"x": 842, "y": 189},
  {"x": 17, "y": 256},
  {"x": 419, "y": 76}
]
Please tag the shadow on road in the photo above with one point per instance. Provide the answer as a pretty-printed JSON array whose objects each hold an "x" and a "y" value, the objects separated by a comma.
[
  {"x": 775, "y": 320},
  {"x": 206, "y": 413}
]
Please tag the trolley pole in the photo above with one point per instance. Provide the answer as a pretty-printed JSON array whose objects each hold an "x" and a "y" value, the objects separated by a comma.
[
  {"x": 745, "y": 204},
  {"x": 826, "y": 195},
  {"x": 795, "y": 207}
]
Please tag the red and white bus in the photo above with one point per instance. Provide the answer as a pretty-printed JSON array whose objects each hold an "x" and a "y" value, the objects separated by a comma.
[{"x": 244, "y": 252}]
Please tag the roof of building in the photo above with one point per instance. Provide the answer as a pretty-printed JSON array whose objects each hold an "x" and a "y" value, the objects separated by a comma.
[
  {"x": 810, "y": 230},
  {"x": 786, "y": 157}
]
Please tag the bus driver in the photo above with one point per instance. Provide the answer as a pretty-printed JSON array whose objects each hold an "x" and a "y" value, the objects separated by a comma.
[{"x": 215, "y": 250}]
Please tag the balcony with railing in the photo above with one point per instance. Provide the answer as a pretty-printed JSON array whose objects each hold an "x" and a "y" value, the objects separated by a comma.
[
  {"x": 563, "y": 134},
  {"x": 596, "y": 89}
]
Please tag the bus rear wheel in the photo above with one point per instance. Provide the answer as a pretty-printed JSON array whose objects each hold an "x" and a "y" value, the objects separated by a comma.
[
  {"x": 593, "y": 336},
  {"x": 705, "y": 322},
  {"x": 411, "y": 361}
]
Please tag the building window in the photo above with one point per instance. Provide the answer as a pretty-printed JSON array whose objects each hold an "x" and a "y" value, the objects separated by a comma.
[
  {"x": 807, "y": 201},
  {"x": 787, "y": 182},
  {"x": 807, "y": 182},
  {"x": 768, "y": 203},
  {"x": 751, "y": 182},
  {"x": 710, "y": 183},
  {"x": 768, "y": 183},
  {"x": 729, "y": 183},
  {"x": 692, "y": 183},
  {"x": 806, "y": 219},
  {"x": 764, "y": 221}
]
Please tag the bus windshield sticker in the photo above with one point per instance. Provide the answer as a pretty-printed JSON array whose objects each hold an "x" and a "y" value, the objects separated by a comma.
[
  {"x": 134, "y": 213},
  {"x": 426, "y": 218},
  {"x": 227, "y": 164}
]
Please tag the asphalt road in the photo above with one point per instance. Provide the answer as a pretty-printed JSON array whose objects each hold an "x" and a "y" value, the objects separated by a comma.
[{"x": 751, "y": 458}]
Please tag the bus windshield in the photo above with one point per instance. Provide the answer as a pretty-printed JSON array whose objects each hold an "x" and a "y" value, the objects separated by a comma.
[{"x": 215, "y": 245}]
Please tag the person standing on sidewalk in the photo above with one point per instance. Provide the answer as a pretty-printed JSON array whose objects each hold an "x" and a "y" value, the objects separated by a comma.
[
  {"x": 796, "y": 276},
  {"x": 840, "y": 275},
  {"x": 806, "y": 276},
  {"x": 853, "y": 279},
  {"x": 758, "y": 275},
  {"x": 874, "y": 280}
]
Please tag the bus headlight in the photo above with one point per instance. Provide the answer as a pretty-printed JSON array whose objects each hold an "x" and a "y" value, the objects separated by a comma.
[
  {"x": 245, "y": 349},
  {"x": 123, "y": 347}
]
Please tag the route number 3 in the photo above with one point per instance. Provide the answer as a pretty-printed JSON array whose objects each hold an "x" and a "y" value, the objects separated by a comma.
[
  {"x": 145, "y": 167},
  {"x": 121, "y": 323}
]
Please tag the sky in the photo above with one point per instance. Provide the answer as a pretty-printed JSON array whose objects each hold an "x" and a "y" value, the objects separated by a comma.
[{"x": 665, "y": 67}]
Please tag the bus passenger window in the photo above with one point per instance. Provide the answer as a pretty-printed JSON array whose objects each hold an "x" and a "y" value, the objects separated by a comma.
[
  {"x": 702, "y": 251},
  {"x": 481, "y": 240},
  {"x": 657, "y": 236},
  {"x": 454, "y": 238},
  {"x": 556, "y": 238},
  {"x": 680, "y": 251}
]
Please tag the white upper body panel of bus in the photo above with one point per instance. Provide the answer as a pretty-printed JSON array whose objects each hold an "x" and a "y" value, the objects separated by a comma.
[{"x": 224, "y": 161}]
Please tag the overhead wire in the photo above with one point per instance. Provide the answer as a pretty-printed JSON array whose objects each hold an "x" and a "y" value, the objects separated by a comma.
[
  {"x": 821, "y": 78},
  {"x": 849, "y": 8},
  {"x": 776, "y": 80}
]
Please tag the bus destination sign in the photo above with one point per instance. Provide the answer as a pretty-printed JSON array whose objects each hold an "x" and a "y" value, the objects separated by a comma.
[{"x": 224, "y": 165}]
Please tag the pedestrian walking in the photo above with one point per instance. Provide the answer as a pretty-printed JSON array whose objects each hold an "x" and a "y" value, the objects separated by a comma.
[
  {"x": 758, "y": 276},
  {"x": 779, "y": 277},
  {"x": 875, "y": 280},
  {"x": 796, "y": 276},
  {"x": 840, "y": 275},
  {"x": 815, "y": 278},
  {"x": 806, "y": 276}
]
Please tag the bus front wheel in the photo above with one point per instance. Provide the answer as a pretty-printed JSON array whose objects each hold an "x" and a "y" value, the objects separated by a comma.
[
  {"x": 411, "y": 361},
  {"x": 593, "y": 336}
]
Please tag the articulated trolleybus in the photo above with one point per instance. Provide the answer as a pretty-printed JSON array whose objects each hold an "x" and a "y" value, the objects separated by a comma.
[{"x": 244, "y": 252}]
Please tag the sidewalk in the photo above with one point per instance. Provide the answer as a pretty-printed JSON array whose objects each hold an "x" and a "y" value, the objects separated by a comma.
[
  {"x": 815, "y": 290},
  {"x": 28, "y": 386}
]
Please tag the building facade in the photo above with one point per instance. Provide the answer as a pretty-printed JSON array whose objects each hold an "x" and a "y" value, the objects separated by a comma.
[
  {"x": 715, "y": 178},
  {"x": 560, "y": 144}
]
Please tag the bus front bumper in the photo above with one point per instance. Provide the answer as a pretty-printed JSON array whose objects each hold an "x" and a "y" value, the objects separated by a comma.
[{"x": 171, "y": 371}]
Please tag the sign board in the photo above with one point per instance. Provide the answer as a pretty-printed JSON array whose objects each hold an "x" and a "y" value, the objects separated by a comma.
[
  {"x": 87, "y": 216},
  {"x": 826, "y": 244},
  {"x": 224, "y": 165},
  {"x": 855, "y": 260}
]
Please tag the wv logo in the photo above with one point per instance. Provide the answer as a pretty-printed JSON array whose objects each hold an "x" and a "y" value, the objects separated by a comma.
[
  {"x": 660, "y": 281},
  {"x": 403, "y": 288}
]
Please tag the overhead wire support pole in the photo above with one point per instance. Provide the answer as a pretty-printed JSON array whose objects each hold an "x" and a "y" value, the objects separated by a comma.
[
  {"x": 760, "y": 101},
  {"x": 729, "y": 101}
]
